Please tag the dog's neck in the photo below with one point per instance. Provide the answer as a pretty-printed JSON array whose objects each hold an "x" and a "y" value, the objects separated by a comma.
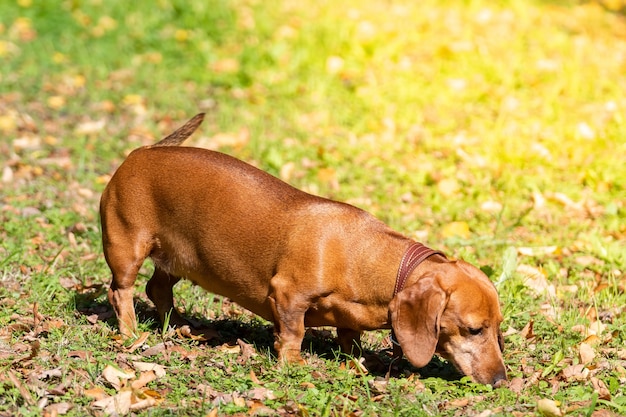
[{"x": 412, "y": 258}]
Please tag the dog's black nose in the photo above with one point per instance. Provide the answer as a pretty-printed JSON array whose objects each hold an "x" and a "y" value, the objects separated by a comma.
[{"x": 499, "y": 379}]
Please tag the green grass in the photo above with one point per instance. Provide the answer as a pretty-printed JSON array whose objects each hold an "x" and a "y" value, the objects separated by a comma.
[{"x": 490, "y": 130}]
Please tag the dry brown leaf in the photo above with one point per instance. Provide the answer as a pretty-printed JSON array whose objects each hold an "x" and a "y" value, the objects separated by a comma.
[
  {"x": 587, "y": 260},
  {"x": 96, "y": 393},
  {"x": 116, "y": 404},
  {"x": 600, "y": 387},
  {"x": 575, "y": 372},
  {"x": 256, "y": 408},
  {"x": 247, "y": 351},
  {"x": 232, "y": 349},
  {"x": 586, "y": 353},
  {"x": 603, "y": 413},
  {"x": 516, "y": 385},
  {"x": 156, "y": 349},
  {"x": 24, "y": 392},
  {"x": 159, "y": 370},
  {"x": 142, "y": 403},
  {"x": 592, "y": 340},
  {"x": 261, "y": 394},
  {"x": 535, "y": 280},
  {"x": 57, "y": 409},
  {"x": 357, "y": 365},
  {"x": 116, "y": 377},
  {"x": 238, "y": 401},
  {"x": 527, "y": 331},
  {"x": 144, "y": 379},
  {"x": 138, "y": 343},
  {"x": 186, "y": 332},
  {"x": 90, "y": 127},
  {"x": 254, "y": 378}
]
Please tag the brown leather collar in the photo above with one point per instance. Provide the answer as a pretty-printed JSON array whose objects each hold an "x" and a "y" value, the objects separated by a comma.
[{"x": 414, "y": 255}]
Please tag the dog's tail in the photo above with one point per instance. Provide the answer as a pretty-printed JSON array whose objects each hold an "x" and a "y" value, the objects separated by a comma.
[{"x": 182, "y": 132}]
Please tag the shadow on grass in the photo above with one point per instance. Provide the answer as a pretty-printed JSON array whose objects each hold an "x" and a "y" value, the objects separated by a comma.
[{"x": 317, "y": 342}]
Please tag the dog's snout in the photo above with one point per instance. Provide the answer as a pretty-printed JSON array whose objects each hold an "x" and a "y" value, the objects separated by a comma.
[{"x": 499, "y": 379}]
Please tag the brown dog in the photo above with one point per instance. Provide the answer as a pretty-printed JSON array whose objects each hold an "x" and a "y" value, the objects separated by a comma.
[{"x": 293, "y": 258}]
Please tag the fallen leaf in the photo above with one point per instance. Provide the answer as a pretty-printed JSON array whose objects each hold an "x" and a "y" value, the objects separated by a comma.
[
  {"x": 254, "y": 378},
  {"x": 539, "y": 250},
  {"x": 516, "y": 385},
  {"x": 232, "y": 349},
  {"x": 527, "y": 331},
  {"x": 456, "y": 229},
  {"x": 116, "y": 404},
  {"x": 159, "y": 370},
  {"x": 95, "y": 393},
  {"x": 587, "y": 260},
  {"x": 57, "y": 408},
  {"x": 186, "y": 332},
  {"x": 378, "y": 386},
  {"x": 592, "y": 340},
  {"x": 535, "y": 280},
  {"x": 144, "y": 379},
  {"x": 603, "y": 413},
  {"x": 491, "y": 206},
  {"x": 260, "y": 394},
  {"x": 24, "y": 391},
  {"x": 600, "y": 387},
  {"x": 448, "y": 187},
  {"x": 575, "y": 372},
  {"x": 90, "y": 127},
  {"x": 115, "y": 376},
  {"x": 548, "y": 408},
  {"x": 137, "y": 343},
  {"x": 238, "y": 401},
  {"x": 247, "y": 351}
]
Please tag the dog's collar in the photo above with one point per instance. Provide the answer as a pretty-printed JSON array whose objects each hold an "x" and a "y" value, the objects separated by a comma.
[{"x": 414, "y": 255}]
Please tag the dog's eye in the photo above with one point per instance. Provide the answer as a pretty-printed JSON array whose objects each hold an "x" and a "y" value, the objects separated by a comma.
[{"x": 475, "y": 330}]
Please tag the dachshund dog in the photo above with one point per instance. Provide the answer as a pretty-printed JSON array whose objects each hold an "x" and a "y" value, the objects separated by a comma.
[{"x": 294, "y": 259}]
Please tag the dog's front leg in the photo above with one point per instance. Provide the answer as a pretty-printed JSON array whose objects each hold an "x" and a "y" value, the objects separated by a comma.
[
  {"x": 288, "y": 309},
  {"x": 350, "y": 341}
]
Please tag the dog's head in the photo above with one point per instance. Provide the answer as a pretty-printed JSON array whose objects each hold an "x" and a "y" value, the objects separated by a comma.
[{"x": 453, "y": 311}]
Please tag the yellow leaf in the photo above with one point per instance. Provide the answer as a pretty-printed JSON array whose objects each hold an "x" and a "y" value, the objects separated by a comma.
[
  {"x": 548, "y": 408},
  {"x": 225, "y": 66},
  {"x": 326, "y": 174},
  {"x": 8, "y": 122},
  {"x": 181, "y": 35},
  {"x": 456, "y": 229},
  {"x": 56, "y": 102},
  {"x": 448, "y": 187},
  {"x": 132, "y": 99}
]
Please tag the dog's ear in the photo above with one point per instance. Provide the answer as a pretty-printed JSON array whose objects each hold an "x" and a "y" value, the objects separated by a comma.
[
  {"x": 501, "y": 340},
  {"x": 415, "y": 314}
]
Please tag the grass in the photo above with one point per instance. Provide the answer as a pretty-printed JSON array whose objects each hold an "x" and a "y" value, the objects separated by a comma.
[{"x": 492, "y": 130}]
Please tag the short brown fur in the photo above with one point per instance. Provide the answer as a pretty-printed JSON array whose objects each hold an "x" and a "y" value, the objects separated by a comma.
[{"x": 292, "y": 258}]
